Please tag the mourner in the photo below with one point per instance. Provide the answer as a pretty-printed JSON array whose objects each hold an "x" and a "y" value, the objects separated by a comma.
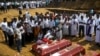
[
  {"x": 4, "y": 26},
  {"x": 89, "y": 29},
  {"x": 81, "y": 26}
]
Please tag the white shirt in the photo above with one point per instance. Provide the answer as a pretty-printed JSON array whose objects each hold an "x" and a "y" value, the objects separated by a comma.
[
  {"x": 80, "y": 20},
  {"x": 35, "y": 17},
  {"x": 19, "y": 34},
  {"x": 46, "y": 23},
  {"x": 52, "y": 23},
  {"x": 4, "y": 26},
  {"x": 14, "y": 24},
  {"x": 42, "y": 24},
  {"x": 28, "y": 15},
  {"x": 97, "y": 21},
  {"x": 21, "y": 28},
  {"x": 62, "y": 20},
  {"x": 32, "y": 23},
  {"x": 10, "y": 30}
]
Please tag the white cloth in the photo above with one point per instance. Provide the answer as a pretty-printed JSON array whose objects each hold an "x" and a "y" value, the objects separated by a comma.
[
  {"x": 28, "y": 29},
  {"x": 21, "y": 28},
  {"x": 48, "y": 35},
  {"x": 59, "y": 32},
  {"x": 4, "y": 26},
  {"x": 35, "y": 17},
  {"x": 86, "y": 19},
  {"x": 74, "y": 30},
  {"x": 91, "y": 30},
  {"x": 27, "y": 6},
  {"x": 97, "y": 21},
  {"x": 65, "y": 29},
  {"x": 40, "y": 35},
  {"x": 88, "y": 38},
  {"x": 52, "y": 23},
  {"x": 32, "y": 23},
  {"x": 42, "y": 24},
  {"x": 97, "y": 39},
  {"x": 10, "y": 31},
  {"x": 47, "y": 23},
  {"x": 28, "y": 15},
  {"x": 18, "y": 33},
  {"x": 62, "y": 20},
  {"x": 80, "y": 20},
  {"x": 14, "y": 25}
]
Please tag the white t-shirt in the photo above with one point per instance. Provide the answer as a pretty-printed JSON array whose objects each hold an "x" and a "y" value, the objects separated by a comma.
[
  {"x": 18, "y": 33},
  {"x": 4, "y": 26},
  {"x": 10, "y": 31}
]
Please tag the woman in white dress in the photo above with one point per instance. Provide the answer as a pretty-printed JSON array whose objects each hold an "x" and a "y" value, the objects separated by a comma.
[
  {"x": 66, "y": 27},
  {"x": 97, "y": 39},
  {"x": 74, "y": 24},
  {"x": 89, "y": 29}
]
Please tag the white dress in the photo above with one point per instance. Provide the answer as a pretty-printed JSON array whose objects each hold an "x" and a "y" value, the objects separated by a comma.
[
  {"x": 66, "y": 28},
  {"x": 59, "y": 33},
  {"x": 89, "y": 38},
  {"x": 97, "y": 39},
  {"x": 86, "y": 18},
  {"x": 74, "y": 30},
  {"x": 27, "y": 6}
]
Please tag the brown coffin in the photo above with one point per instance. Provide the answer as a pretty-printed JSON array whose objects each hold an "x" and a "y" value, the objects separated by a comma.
[
  {"x": 74, "y": 50},
  {"x": 53, "y": 47}
]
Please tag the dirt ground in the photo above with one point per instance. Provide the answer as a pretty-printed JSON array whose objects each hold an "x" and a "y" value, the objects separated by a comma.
[{"x": 7, "y": 51}]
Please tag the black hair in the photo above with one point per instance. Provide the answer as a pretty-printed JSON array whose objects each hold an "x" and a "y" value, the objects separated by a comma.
[{"x": 4, "y": 19}]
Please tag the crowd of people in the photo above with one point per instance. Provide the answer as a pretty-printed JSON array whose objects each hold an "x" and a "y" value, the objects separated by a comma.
[
  {"x": 5, "y": 6},
  {"x": 28, "y": 28}
]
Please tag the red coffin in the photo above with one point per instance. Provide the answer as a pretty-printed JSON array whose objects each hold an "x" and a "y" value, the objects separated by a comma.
[
  {"x": 74, "y": 50},
  {"x": 50, "y": 48},
  {"x": 92, "y": 53}
]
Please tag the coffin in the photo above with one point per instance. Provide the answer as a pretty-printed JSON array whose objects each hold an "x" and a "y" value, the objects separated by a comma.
[
  {"x": 47, "y": 49},
  {"x": 74, "y": 50}
]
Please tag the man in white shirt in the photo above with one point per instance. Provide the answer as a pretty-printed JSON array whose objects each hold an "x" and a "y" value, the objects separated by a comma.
[
  {"x": 4, "y": 26},
  {"x": 14, "y": 23},
  {"x": 52, "y": 23},
  {"x": 74, "y": 24},
  {"x": 19, "y": 37},
  {"x": 10, "y": 33},
  {"x": 27, "y": 15},
  {"x": 81, "y": 26},
  {"x": 36, "y": 16}
]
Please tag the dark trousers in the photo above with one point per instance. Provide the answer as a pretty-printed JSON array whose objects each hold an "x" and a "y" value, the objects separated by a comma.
[
  {"x": 44, "y": 32},
  {"x": 33, "y": 28},
  {"x": 29, "y": 37},
  {"x": 23, "y": 39},
  {"x": 19, "y": 46},
  {"x": 11, "y": 40},
  {"x": 95, "y": 29},
  {"x": 69, "y": 31},
  {"x": 6, "y": 36},
  {"x": 81, "y": 28}
]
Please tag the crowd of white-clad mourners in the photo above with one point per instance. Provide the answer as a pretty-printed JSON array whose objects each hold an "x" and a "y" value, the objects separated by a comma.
[
  {"x": 25, "y": 4},
  {"x": 58, "y": 25}
]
